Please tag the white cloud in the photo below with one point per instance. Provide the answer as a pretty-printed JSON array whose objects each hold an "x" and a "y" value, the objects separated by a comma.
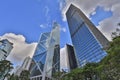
[
  {"x": 42, "y": 26},
  {"x": 21, "y": 49},
  {"x": 89, "y": 6},
  {"x": 63, "y": 29},
  {"x": 109, "y": 25},
  {"x": 47, "y": 15},
  {"x": 47, "y": 24},
  {"x": 46, "y": 10},
  {"x": 93, "y": 13}
]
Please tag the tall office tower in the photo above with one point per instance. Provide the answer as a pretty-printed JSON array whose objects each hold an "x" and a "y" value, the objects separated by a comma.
[
  {"x": 46, "y": 59},
  {"x": 67, "y": 58},
  {"x": 5, "y": 48},
  {"x": 25, "y": 66},
  {"x": 26, "y": 63},
  {"x": 86, "y": 38}
]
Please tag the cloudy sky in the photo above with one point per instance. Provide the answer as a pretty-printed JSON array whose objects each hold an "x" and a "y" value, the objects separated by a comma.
[{"x": 22, "y": 21}]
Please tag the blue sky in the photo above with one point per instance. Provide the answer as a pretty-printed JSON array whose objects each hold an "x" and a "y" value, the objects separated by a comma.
[
  {"x": 32, "y": 17},
  {"x": 26, "y": 17},
  {"x": 100, "y": 15}
]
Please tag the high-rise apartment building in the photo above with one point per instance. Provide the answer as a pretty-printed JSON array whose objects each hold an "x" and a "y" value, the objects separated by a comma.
[
  {"x": 67, "y": 58},
  {"x": 88, "y": 41},
  {"x": 46, "y": 59},
  {"x": 5, "y": 48}
]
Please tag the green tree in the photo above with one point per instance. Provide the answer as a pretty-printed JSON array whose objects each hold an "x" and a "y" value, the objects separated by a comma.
[
  {"x": 76, "y": 74},
  {"x": 58, "y": 75},
  {"x": 5, "y": 67},
  {"x": 25, "y": 75},
  {"x": 110, "y": 65},
  {"x": 90, "y": 71},
  {"x": 13, "y": 77}
]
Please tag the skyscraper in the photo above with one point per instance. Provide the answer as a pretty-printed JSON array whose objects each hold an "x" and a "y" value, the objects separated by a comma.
[
  {"x": 67, "y": 58},
  {"x": 25, "y": 66},
  {"x": 46, "y": 57},
  {"x": 5, "y": 48},
  {"x": 86, "y": 38}
]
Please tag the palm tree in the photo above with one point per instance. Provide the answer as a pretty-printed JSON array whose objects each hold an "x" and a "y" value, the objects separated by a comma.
[
  {"x": 25, "y": 75},
  {"x": 5, "y": 68}
]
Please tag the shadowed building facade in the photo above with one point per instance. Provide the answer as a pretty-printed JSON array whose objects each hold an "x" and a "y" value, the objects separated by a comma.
[
  {"x": 46, "y": 59},
  {"x": 68, "y": 60},
  {"x": 87, "y": 40}
]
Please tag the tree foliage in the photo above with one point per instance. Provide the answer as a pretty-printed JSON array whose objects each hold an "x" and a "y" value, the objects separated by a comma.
[
  {"x": 5, "y": 68},
  {"x": 13, "y": 77},
  {"x": 111, "y": 63},
  {"x": 25, "y": 75}
]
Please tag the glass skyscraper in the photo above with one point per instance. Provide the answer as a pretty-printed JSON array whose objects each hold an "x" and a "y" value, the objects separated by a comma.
[
  {"x": 46, "y": 59},
  {"x": 5, "y": 48},
  {"x": 88, "y": 41}
]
